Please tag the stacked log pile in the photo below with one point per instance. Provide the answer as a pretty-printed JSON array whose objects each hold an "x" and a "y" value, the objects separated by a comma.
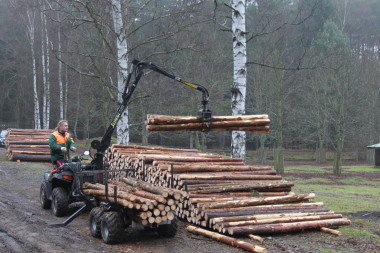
[
  {"x": 28, "y": 144},
  {"x": 248, "y": 123},
  {"x": 224, "y": 194},
  {"x": 153, "y": 204}
]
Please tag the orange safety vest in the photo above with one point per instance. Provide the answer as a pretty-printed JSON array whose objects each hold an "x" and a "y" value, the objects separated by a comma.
[
  {"x": 59, "y": 139},
  {"x": 62, "y": 141}
]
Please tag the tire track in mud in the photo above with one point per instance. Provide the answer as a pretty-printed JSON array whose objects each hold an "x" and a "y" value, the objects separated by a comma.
[{"x": 24, "y": 227}]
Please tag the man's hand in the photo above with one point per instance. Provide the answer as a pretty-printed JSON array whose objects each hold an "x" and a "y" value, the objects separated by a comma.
[
  {"x": 73, "y": 149},
  {"x": 64, "y": 149}
]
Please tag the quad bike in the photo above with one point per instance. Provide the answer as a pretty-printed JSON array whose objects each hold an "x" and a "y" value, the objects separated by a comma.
[
  {"x": 63, "y": 187},
  {"x": 109, "y": 219}
]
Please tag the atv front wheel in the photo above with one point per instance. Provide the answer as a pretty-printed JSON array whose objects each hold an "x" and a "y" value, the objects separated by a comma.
[
  {"x": 60, "y": 202},
  {"x": 111, "y": 227},
  {"x": 95, "y": 221},
  {"x": 45, "y": 203}
]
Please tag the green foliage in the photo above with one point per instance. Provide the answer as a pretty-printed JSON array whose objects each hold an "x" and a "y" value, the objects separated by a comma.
[{"x": 331, "y": 40}]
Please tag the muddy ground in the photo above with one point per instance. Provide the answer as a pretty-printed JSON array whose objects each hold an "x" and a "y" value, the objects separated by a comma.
[{"x": 24, "y": 226}]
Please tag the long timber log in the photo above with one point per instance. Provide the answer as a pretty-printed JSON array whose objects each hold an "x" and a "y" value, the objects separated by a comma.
[
  {"x": 226, "y": 239},
  {"x": 265, "y": 216},
  {"x": 259, "y": 201},
  {"x": 287, "y": 227},
  {"x": 166, "y": 119},
  {"x": 29, "y": 158},
  {"x": 280, "y": 220}
]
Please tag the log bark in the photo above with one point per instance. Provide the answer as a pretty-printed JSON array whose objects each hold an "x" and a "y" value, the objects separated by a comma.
[
  {"x": 280, "y": 220},
  {"x": 259, "y": 201},
  {"x": 220, "y": 168},
  {"x": 207, "y": 176},
  {"x": 211, "y": 215},
  {"x": 166, "y": 119},
  {"x": 29, "y": 152},
  {"x": 251, "y": 126},
  {"x": 140, "y": 193},
  {"x": 30, "y": 158},
  {"x": 146, "y": 187},
  {"x": 256, "y": 238},
  {"x": 265, "y": 216},
  {"x": 226, "y": 239},
  {"x": 242, "y": 187},
  {"x": 151, "y": 158},
  {"x": 331, "y": 231},
  {"x": 287, "y": 227}
]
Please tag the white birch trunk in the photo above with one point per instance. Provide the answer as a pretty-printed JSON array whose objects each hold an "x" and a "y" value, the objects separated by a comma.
[
  {"x": 31, "y": 33},
  {"x": 65, "y": 94},
  {"x": 43, "y": 61},
  {"x": 240, "y": 74},
  {"x": 60, "y": 83},
  {"x": 122, "y": 59},
  {"x": 47, "y": 120},
  {"x": 78, "y": 104}
]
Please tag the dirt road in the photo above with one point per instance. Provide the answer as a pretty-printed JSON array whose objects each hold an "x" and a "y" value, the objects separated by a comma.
[{"x": 24, "y": 226}]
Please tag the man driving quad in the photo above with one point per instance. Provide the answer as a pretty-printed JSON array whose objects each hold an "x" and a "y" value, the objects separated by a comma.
[{"x": 60, "y": 143}]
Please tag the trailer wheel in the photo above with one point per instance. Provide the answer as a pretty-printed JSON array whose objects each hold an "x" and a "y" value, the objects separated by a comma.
[
  {"x": 95, "y": 221},
  {"x": 111, "y": 227},
  {"x": 60, "y": 201},
  {"x": 168, "y": 230},
  {"x": 45, "y": 203}
]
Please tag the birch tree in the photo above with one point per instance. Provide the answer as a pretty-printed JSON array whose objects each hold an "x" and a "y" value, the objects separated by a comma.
[
  {"x": 30, "y": 25},
  {"x": 60, "y": 82},
  {"x": 240, "y": 74},
  {"x": 122, "y": 59},
  {"x": 45, "y": 71}
]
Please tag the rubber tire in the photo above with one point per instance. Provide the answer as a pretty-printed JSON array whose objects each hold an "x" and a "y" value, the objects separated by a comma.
[
  {"x": 45, "y": 203},
  {"x": 60, "y": 202},
  {"x": 112, "y": 227},
  {"x": 95, "y": 222},
  {"x": 168, "y": 230}
]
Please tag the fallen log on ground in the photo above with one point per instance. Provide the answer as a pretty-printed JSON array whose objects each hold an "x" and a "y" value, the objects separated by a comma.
[
  {"x": 287, "y": 227},
  {"x": 226, "y": 239}
]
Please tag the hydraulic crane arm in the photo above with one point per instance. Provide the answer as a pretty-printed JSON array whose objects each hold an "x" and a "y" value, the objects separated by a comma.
[
  {"x": 149, "y": 65},
  {"x": 137, "y": 71}
]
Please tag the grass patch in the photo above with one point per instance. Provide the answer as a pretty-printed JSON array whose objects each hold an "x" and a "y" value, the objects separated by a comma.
[
  {"x": 360, "y": 168},
  {"x": 324, "y": 169},
  {"x": 305, "y": 169},
  {"x": 342, "y": 198},
  {"x": 353, "y": 232},
  {"x": 360, "y": 181},
  {"x": 315, "y": 180},
  {"x": 340, "y": 194}
]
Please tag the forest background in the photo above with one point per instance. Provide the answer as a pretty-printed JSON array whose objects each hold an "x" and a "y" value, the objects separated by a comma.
[{"x": 313, "y": 67}]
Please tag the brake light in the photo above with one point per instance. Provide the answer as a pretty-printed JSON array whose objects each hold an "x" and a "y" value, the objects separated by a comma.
[{"x": 67, "y": 177}]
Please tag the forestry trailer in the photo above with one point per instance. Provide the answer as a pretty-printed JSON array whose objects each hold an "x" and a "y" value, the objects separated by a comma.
[{"x": 109, "y": 219}]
